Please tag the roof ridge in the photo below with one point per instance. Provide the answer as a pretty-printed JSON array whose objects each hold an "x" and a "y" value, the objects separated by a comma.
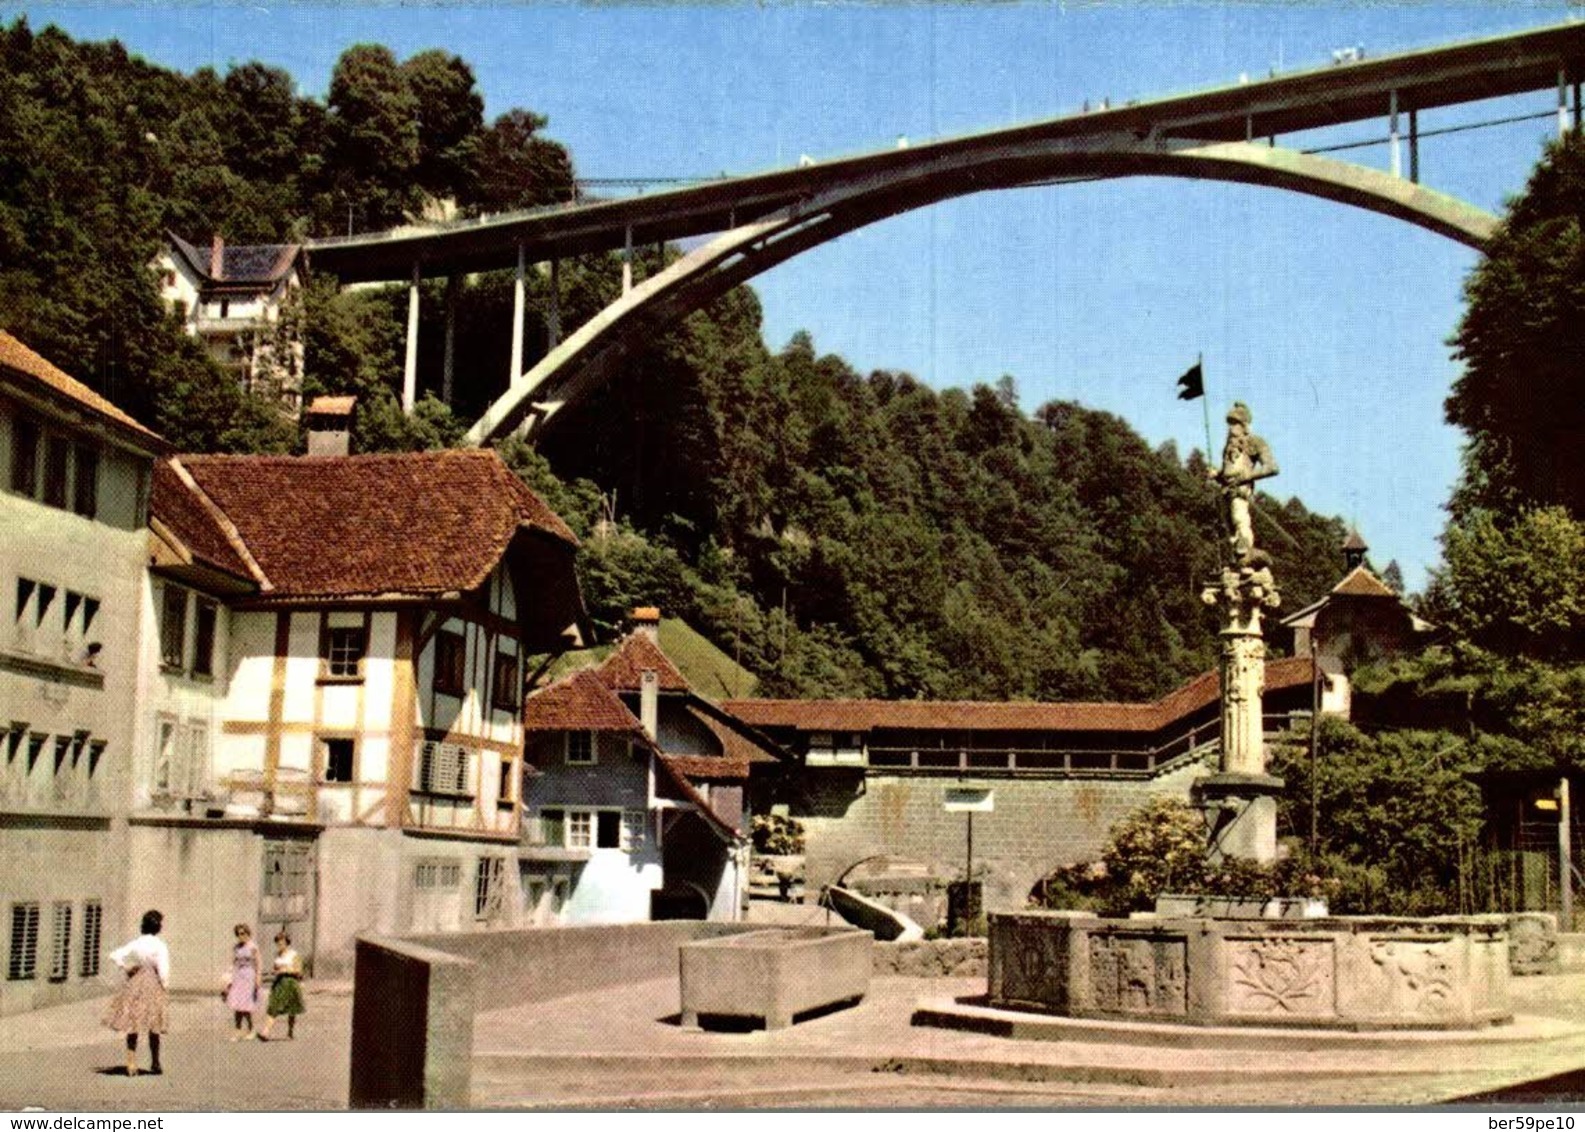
[{"x": 223, "y": 521}]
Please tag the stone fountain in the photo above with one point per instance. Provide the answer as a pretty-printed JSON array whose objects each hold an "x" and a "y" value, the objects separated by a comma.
[{"x": 1339, "y": 972}]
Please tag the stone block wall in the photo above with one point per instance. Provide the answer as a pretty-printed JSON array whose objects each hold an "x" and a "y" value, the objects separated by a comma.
[{"x": 1038, "y": 824}]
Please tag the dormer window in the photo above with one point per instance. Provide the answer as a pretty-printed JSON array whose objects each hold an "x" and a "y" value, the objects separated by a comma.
[{"x": 580, "y": 748}]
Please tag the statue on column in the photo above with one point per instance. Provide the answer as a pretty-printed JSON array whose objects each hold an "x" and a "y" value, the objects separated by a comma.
[
  {"x": 1246, "y": 458},
  {"x": 1242, "y": 797}
]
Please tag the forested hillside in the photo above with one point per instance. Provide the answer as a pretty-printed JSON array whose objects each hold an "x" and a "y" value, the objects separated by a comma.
[{"x": 841, "y": 533}]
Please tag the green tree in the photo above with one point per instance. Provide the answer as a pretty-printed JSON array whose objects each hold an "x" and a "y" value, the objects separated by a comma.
[
  {"x": 373, "y": 134},
  {"x": 514, "y": 167},
  {"x": 450, "y": 113},
  {"x": 1521, "y": 396}
]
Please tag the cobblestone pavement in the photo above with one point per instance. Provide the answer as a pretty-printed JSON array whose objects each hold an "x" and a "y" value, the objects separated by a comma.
[
  {"x": 61, "y": 1058},
  {"x": 621, "y": 1047}
]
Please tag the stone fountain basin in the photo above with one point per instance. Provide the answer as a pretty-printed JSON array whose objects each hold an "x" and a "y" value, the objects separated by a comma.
[
  {"x": 1341, "y": 972},
  {"x": 774, "y": 974}
]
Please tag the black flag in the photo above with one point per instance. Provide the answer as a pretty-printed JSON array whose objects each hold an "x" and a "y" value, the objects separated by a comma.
[{"x": 1192, "y": 384}]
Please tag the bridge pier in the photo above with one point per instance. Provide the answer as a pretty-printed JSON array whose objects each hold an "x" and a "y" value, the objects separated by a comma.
[
  {"x": 410, "y": 364},
  {"x": 448, "y": 366},
  {"x": 1414, "y": 146},
  {"x": 1392, "y": 132},
  {"x": 627, "y": 259},
  {"x": 519, "y": 298},
  {"x": 553, "y": 309}
]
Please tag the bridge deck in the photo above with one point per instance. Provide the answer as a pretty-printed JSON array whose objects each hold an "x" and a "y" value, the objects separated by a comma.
[{"x": 1283, "y": 104}]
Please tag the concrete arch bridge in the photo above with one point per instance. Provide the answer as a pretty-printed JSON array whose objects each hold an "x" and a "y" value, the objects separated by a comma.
[{"x": 759, "y": 221}]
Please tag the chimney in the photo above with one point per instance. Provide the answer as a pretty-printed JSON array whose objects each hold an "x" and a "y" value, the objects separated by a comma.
[
  {"x": 646, "y": 622},
  {"x": 1354, "y": 550},
  {"x": 217, "y": 257},
  {"x": 330, "y": 425},
  {"x": 649, "y": 702}
]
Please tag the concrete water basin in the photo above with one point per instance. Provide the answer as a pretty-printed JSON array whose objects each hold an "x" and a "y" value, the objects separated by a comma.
[{"x": 774, "y": 975}]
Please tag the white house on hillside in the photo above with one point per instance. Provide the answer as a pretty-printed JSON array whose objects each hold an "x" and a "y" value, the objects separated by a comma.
[{"x": 238, "y": 300}]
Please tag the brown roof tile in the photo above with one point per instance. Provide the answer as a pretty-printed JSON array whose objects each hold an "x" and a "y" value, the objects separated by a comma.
[
  {"x": 177, "y": 504},
  {"x": 969, "y": 715},
  {"x": 580, "y": 702},
  {"x": 1360, "y": 582},
  {"x": 624, "y": 668},
  {"x": 23, "y": 360},
  {"x": 709, "y": 767},
  {"x": 413, "y": 523}
]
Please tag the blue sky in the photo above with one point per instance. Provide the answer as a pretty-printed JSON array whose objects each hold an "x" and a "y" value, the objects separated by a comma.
[{"x": 1330, "y": 322}]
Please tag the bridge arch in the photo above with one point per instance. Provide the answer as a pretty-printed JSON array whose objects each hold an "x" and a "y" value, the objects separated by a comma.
[{"x": 587, "y": 357}]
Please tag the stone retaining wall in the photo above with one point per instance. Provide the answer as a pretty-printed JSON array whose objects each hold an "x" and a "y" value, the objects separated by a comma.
[{"x": 932, "y": 958}]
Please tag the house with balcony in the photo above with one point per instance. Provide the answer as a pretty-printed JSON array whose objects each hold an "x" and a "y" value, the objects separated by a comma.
[
  {"x": 636, "y": 797},
  {"x": 350, "y": 634},
  {"x": 239, "y": 300},
  {"x": 74, "y": 510}
]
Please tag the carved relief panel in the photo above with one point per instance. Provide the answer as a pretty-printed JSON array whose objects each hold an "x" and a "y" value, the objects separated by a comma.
[
  {"x": 1138, "y": 975},
  {"x": 1281, "y": 977}
]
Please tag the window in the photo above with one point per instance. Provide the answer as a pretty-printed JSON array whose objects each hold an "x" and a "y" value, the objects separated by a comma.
[
  {"x": 344, "y": 649},
  {"x": 57, "y": 455},
  {"x": 204, "y": 639},
  {"x": 507, "y": 797},
  {"x": 503, "y": 693},
  {"x": 633, "y": 828},
  {"x": 451, "y": 663},
  {"x": 35, "y": 748},
  {"x": 164, "y": 755},
  {"x": 60, "y": 941},
  {"x": 608, "y": 829},
  {"x": 22, "y": 961},
  {"x": 173, "y": 627},
  {"x": 193, "y": 774},
  {"x": 445, "y": 768},
  {"x": 25, "y": 457},
  {"x": 552, "y": 827},
  {"x": 437, "y": 876},
  {"x": 90, "y": 611},
  {"x": 580, "y": 748},
  {"x": 338, "y": 760},
  {"x": 580, "y": 829},
  {"x": 93, "y": 932},
  {"x": 489, "y": 888},
  {"x": 46, "y": 599},
  {"x": 85, "y": 485}
]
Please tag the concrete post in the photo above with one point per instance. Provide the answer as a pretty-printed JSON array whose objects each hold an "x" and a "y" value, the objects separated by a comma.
[
  {"x": 448, "y": 367},
  {"x": 410, "y": 366},
  {"x": 518, "y": 298},
  {"x": 1414, "y": 146},
  {"x": 1565, "y": 857},
  {"x": 627, "y": 259},
  {"x": 1562, "y": 102},
  {"x": 1392, "y": 132},
  {"x": 553, "y": 315}
]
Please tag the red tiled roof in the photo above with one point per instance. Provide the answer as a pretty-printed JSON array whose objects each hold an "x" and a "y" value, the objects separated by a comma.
[
  {"x": 735, "y": 744},
  {"x": 1360, "y": 582},
  {"x": 23, "y": 360},
  {"x": 709, "y": 767},
  {"x": 186, "y": 515},
  {"x": 410, "y": 524},
  {"x": 624, "y": 668},
  {"x": 580, "y": 702},
  {"x": 970, "y": 715},
  {"x": 689, "y": 793}
]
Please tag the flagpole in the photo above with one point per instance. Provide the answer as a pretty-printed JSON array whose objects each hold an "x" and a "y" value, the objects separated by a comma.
[{"x": 1205, "y": 407}]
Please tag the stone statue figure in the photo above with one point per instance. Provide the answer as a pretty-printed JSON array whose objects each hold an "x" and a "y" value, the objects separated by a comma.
[{"x": 1245, "y": 459}]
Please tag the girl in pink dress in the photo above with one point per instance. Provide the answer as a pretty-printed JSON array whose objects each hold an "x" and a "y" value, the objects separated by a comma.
[{"x": 242, "y": 993}]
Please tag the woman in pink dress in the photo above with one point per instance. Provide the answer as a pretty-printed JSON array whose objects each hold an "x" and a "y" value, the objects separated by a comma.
[
  {"x": 242, "y": 993},
  {"x": 139, "y": 1006}
]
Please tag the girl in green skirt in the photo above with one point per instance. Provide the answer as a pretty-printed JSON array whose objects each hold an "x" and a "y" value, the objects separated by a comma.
[{"x": 286, "y": 994}]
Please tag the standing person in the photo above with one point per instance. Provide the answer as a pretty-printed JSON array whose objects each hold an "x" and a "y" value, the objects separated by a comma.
[
  {"x": 139, "y": 1006},
  {"x": 286, "y": 995},
  {"x": 242, "y": 994}
]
